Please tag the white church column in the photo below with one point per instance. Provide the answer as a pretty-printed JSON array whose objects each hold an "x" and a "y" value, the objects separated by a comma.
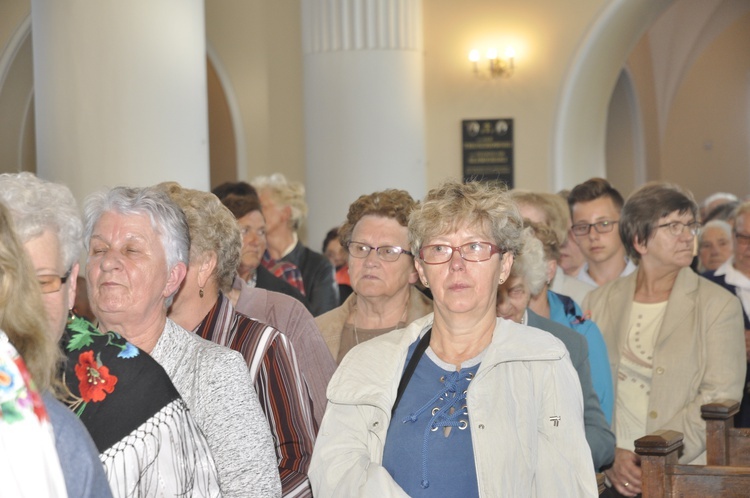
[
  {"x": 364, "y": 103},
  {"x": 120, "y": 93}
]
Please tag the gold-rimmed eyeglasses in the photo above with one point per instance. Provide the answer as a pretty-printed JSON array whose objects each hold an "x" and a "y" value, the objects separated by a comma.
[{"x": 52, "y": 283}]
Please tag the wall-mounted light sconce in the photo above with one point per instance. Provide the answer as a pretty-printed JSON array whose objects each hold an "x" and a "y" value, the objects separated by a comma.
[{"x": 497, "y": 66}]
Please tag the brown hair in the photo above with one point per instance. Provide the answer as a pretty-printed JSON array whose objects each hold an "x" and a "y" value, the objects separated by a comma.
[
  {"x": 240, "y": 205},
  {"x": 646, "y": 206},
  {"x": 391, "y": 203},
  {"x": 593, "y": 189}
]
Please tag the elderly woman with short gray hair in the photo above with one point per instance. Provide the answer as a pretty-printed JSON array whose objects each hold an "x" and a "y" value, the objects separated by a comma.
[
  {"x": 149, "y": 445},
  {"x": 715, "y": 245},
  {"x": 138, "y": 250}
]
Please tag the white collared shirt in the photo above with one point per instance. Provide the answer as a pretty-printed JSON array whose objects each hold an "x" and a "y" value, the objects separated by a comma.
[
  {"x": 291, "y": 247},
  {"x": 584, "y": 276},
  {"x": 733, "y": 276}
]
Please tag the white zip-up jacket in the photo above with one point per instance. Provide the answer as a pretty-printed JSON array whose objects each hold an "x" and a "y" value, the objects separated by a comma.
[{"x": 525, "y": 411}]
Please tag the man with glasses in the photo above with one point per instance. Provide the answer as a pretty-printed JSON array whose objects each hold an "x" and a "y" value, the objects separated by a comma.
[
  {"x": 595, "y": 212},
  {"x": 734, "y": 275}
]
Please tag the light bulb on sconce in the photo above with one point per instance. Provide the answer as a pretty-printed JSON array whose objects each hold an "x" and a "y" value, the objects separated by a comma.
[{"x": 496, "y": 66}]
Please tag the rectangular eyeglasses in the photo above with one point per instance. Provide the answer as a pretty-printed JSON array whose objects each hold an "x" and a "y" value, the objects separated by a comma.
[
  {"x": 436, "y": 254},
  {"x": 386, "y": 253},
  {"x": 604, "y": 226},
  {"x": 677, "y": 227},
  {"x": 52, "y": 283}
]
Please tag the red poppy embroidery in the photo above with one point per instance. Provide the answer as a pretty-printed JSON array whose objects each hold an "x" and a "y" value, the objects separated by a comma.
[{"x": 94, "y": 380}]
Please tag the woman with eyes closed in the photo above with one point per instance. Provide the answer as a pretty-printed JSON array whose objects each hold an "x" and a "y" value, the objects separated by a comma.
[
  {"x": 459, "y": 403},
  {"x": 381, "y": 269},
  {"x": 675, "y": 339},
  {"x": 138, "y": 250},
  {"x": 148, "y": 445}
]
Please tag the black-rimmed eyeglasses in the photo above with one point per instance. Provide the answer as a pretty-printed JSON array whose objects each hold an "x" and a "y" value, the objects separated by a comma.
[
  {"x": 604, "y": 226},
  {"x": 386, "y": 253},
  {"x": 52, "y": 283},
  {"x": 436, "y": 254}
]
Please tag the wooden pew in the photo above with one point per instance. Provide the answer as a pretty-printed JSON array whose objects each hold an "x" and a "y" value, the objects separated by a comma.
[
  {"x": 728, "y": 456},
  {"x": 725, "y": 444}
]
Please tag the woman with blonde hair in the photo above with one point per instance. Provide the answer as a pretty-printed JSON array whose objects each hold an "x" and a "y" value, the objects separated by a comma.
[
  {"x": 29, "y": 462},
  {"x": 202, "y": 306},
  {"x": 460, "y": 402}
]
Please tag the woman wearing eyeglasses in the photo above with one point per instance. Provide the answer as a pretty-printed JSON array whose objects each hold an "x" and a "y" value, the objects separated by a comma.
[
  {"x": 381, "y": 270},
  {"x": 675, "y": 340},
  {"x": 460, "y": 402}
]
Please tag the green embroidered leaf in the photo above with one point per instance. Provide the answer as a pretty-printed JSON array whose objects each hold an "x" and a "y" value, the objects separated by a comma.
[
  {"x": 79, "y": 325},
  {"x": 9, "y": 412},
  {"x": 79, "y": 341}
]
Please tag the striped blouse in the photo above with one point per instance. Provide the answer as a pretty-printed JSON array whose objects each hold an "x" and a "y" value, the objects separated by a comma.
[{"x": 281, "y": 388}]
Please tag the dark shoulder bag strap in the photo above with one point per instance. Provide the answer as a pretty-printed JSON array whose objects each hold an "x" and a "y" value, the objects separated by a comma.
[{"x": 410, "y": 367}]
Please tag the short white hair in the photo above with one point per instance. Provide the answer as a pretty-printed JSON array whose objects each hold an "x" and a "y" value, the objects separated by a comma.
[
  {"x": 285, "y": 193},
  {"x": 530, "y": 265},
  {"x": 718, "y": 196},
  {"x": 37, "y": 206}
]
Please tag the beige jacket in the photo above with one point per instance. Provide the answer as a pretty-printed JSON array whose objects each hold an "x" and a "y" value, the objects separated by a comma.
[
  {"x": 331, "y": 324},
  {"x": 699, "y": 355},
  {"x": 525, "y": 411}
]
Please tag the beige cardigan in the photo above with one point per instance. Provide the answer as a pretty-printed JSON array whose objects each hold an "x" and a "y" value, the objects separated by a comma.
[
  {"x": 699, "y": 355},
  {"x": 331, "y": 324}
]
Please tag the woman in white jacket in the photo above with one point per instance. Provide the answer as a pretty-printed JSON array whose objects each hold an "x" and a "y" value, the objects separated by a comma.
[{"x": 480, "y": 406}]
